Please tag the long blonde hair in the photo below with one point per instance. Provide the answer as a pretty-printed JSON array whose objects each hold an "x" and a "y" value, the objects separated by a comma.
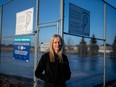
[{"x": 51, "y": 50}]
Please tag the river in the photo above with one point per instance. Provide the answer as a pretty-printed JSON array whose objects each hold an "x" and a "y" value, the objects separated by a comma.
[{"x": 86, "y": 71}]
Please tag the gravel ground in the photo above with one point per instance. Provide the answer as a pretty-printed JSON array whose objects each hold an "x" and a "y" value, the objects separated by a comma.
[
  {"x": 14, "y": 81},
  {"x": 17, "y": 81}
]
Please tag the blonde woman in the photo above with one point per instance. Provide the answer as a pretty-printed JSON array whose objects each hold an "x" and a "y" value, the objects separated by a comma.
[{"x": 54, "y": 64}]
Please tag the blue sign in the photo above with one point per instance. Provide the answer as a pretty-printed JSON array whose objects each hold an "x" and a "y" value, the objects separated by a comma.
[
  {"x": 21, "y": 48},
  {"x": 79, "y": 20}
]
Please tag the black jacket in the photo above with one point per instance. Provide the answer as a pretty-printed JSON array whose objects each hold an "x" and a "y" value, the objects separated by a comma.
[{"x": 55, "y": 73}]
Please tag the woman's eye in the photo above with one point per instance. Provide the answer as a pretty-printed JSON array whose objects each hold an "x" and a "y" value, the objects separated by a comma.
[{"x": 57, "y": 42}]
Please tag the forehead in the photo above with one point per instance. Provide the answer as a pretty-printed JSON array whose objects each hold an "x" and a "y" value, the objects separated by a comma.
[{"x": 57, "y": 39}]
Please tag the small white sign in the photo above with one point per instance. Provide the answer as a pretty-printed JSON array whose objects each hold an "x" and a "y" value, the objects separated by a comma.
[
  {"x": 24, "y": 22},
  {"x": 44, "y": 47}
]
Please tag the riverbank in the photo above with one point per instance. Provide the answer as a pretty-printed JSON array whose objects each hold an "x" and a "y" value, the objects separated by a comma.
[
  {"x": 14, "y": 81},
  {"x": 18, "y": 81}
]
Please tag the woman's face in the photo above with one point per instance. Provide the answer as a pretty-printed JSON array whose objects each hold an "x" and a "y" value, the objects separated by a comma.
[{"x": 57, "y": 44}]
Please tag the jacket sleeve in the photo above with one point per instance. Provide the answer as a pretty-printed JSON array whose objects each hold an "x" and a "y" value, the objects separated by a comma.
[{"x": 40, "y": 68}]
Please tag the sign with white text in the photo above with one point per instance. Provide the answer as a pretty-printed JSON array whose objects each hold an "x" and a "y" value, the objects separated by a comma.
[{"x": 21, "y": 48}]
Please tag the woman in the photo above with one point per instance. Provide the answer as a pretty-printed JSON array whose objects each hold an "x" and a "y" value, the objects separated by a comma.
[{"x": 53, "y": 66}]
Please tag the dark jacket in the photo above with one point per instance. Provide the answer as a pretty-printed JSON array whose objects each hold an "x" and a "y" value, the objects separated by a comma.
[{"x": 55, "y": 73}]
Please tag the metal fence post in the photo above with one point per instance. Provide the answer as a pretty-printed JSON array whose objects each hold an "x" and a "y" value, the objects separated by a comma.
[
  {"x": 62, "y": 20},
  {"x": 104, "y": 78},
  {"x": 36, "y": 42}
]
